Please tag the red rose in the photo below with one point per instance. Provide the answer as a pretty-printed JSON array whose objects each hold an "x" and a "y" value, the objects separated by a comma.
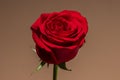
[{"x": 59, "y": 35}]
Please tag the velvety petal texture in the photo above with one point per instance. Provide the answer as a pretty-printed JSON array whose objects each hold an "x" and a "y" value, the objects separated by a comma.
[{"x": 59, "y": 35}]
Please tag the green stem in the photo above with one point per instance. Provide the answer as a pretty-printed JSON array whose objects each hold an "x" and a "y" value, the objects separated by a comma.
[{"x": 55, "y": 70}]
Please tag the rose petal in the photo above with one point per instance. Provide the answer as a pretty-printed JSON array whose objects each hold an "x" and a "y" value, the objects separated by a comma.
[
  {"x": 36, "y": 24},
  {"x": 64, "y": 55},
  {"x": 43, "y": 18},
  {"x": 55, "y": 45},
  {"x": 46, "y": 56}
]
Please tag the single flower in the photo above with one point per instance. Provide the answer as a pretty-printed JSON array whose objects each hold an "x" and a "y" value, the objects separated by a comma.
[{"x": 59, "y": 35}]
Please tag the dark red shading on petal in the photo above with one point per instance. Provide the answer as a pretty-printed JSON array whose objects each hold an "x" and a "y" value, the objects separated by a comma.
[{"x": 46, "y": 56}]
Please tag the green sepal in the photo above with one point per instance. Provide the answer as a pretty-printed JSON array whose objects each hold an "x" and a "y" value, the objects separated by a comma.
[
  {"x": 40, "y": 66},
  {"x": 34, "y": 50},
  {"x": 63, "y": 66}
]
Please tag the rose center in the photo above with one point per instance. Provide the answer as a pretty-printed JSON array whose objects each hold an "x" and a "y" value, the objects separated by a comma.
[{"x": 59, "y": 26}]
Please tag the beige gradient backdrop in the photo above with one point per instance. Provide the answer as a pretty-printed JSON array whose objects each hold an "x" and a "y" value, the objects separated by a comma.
[{"x": 98, "y": 59}]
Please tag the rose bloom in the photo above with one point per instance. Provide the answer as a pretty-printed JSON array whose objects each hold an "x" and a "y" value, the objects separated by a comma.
[{"x": 59, "y": 35}]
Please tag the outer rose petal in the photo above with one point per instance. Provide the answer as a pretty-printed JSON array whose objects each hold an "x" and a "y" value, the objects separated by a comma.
[
  {"x": 65, "y": 54},
  {"x": 46, "y": 56},
  {"x": 85, "y": 24},
  {"x": 79, "y": 17},
  {"x": 61, "y": 54},
  {"x": 43, "y": 17},
  {"x": 36, "y": 24},
  {"x": 39, "y": 21},
  {"x": 41, "y": 47}
]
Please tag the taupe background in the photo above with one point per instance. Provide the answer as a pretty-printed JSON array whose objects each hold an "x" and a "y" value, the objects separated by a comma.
[{"x": 98, "y": 59}]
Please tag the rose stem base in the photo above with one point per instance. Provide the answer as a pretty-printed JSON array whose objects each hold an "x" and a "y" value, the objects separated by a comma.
[{"x": 55, "y": 71}]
